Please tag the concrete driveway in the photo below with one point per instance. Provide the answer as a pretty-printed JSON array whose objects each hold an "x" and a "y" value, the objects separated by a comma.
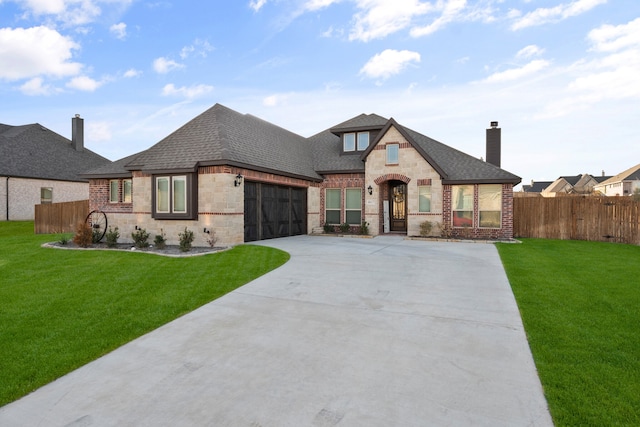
[{"x": 350, "y": 332}]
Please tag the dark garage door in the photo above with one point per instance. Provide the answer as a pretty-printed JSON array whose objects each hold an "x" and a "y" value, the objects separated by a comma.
[{"x": 273, "y": 211}]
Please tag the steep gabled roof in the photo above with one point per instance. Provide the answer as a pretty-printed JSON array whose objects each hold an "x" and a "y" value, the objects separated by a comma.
[
  {"x": 360, "y": 122},
  {"x": 115, "y": 169},
  {"x": 33, "y": 151},
  {"x": 631, "y": 174},
  {"x": 454, "y": 166},
  {"x": 221, "y": 136}
]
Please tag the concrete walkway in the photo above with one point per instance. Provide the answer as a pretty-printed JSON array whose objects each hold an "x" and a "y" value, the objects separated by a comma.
[{"x": 350, "y": 332}]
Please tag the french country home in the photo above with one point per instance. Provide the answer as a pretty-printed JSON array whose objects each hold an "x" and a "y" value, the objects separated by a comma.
[{"x": 243, "y": 179}]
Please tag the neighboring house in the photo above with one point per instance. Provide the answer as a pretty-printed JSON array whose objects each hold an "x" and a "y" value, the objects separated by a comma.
[
  {"x": 38, "y": 165},
  {"x": 246, "y": 179},
  {"x": 578, "y": 184},
  {"x": 623, "y": 184},
  {"x": 536, "y": 187}
]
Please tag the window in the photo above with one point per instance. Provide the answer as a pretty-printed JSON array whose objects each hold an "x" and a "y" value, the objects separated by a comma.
[
  {"x": 174, "y": 197},
  {"x": 392, "y": 154},
  {"x": 332, "y": 206},
  {"x": 363, "y": 141},
  {"x": 424, "y": 198},
  {"x": 113, "y": 191},
  {"x": 349, "y": 141},
  {"x": 46, "y": 195},
  {"x": 353, "y": 206},
  {"x": 490, "y": 205},
  {"x": 126, "y": 191},
  {"x": 462, "y": 205}
]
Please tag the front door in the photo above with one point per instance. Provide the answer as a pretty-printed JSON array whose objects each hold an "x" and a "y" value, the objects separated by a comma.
[{"x": 398, "y": 205}]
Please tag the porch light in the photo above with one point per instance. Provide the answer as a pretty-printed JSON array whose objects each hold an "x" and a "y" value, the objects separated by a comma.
[
  {"x": 370, "y": 189},
  {"x": 237, "y": 181},
  {"x": 207, "y": 231}
]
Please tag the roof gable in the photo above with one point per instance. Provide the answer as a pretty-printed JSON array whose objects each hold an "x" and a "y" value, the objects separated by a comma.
[
  {"x": 453, "y": 166},
  {"x": 33, "y": 151},
  {"x": 633, "y": 173}
]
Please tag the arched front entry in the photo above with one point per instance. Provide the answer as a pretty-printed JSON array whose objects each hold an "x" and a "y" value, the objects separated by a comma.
[{"x": 397, "y": 206}]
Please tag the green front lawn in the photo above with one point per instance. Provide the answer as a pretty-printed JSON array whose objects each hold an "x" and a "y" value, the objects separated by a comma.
[
  {"x": 580, "y": 304},
  {"x": 60, "y": 309}
]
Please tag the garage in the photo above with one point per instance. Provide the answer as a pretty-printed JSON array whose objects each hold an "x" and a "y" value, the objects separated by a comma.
[{"x": 272, "y": 211}]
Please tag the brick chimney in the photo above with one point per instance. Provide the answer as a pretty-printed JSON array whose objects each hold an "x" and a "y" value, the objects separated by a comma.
[
  {"x": 77, "y": 133},
  {"x": 493, "y": 144}
]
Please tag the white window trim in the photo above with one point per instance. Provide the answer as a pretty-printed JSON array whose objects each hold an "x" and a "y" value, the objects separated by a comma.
[
  {"x": 339, "y": 209},
  {"x": 113, "y": 199},
  {"x": 346, "y": 209},
  {"x": 430, "y": 198},
  {"x": 387, "y": 151},
  {"x": 358, "y": 145},
  {"x": 344, "y": 142}
]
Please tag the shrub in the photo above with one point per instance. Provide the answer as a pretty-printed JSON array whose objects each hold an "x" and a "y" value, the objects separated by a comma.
[
  {"x": 83, "y": 236},
  {"x": 328, "y": 228},
  {"x": 186, "y": 238},
  {"x": 425, "y": 228},
  {"x": 140, "y": 238},
  {"x": 212, "y": 239},
  {"x": 364, "y": 228},
  {"x": 160, "y": 240},
  {"x": 112, "y": 237},
  {"x": 64, "y": 239},
  {"x": 344, "y": 227}
]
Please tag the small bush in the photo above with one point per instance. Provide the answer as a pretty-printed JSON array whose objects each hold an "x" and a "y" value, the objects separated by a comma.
[
  {"x": 328, "y": 228},
  {"x": 212, "y": 239},
  {"x": 364, "y": 228},
  {"x": 186, "y": 238},
  {"x": 160, "y": 240},
  {"x": 64, "y": 239},
  {"x": 83, "y": 236},
  {"x": 112, "y": 237},
  {"x": 140, "y": 238},
  {"x": 344, "y": 227},
  {"x": 425, "y": 228}
]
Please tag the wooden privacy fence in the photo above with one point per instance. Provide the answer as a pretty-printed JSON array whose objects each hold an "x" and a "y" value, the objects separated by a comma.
[
  {"x": 60, "y": 217},
  {"x": 604, "y": 219}
]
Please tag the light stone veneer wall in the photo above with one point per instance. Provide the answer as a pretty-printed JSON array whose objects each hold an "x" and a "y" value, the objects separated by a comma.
[
  {"x": 313, "y": 209},
  {"x": 24, "y": 194},
  {"x": 220, "y": 210},
  {"x": 410, "y": 165}
]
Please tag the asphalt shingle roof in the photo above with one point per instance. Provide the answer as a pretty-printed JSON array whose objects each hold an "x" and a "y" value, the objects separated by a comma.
[
  {"x": 221, "y": 136},
  {"x": 33, "y": 151}
]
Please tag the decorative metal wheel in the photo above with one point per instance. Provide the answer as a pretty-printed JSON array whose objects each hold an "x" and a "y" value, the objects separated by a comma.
[{"x": 97, "y": 220}]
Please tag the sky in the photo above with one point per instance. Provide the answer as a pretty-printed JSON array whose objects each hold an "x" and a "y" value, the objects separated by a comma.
[{"x": 562, "y": 77}]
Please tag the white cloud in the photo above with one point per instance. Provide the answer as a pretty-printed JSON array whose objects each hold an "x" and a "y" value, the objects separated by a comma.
[
  {"x": 256, "y": 5},
  {"x": 35, "y": 87},
  {"x": 313, "y": 5},
  {"x": 197, "y": 48},
  {"x": 379, "y": 18},
  {"x": 529, "y": 51},
  {"x": 608, "y": 38},
  {"x": 191, "y": 92},
  {"x": 84, "y": 83},
  {"x": 388, "y": 63},
  {"x": 558, "y": 13},
  {"x": 163, "y": 65},
  {"x": 518, "y": 73},
  {"x": 132, "y": 72},
  {"x": 36, "y": 51},
  {"x": 119, "y": 30},
  {"x": 276, "y": 100},
  {"x": 612, "y": 76},
  {"x": 70, "y": 12},
  {"x": 450, "y": 12}
]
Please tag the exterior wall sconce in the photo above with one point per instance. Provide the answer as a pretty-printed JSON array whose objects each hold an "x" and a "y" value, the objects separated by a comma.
[
  {"x": 207, "y": 231},
  {"x": 238, "y": 181},
  {"x": 137, "y": 228},
  {"x": 370, "y": 188}
]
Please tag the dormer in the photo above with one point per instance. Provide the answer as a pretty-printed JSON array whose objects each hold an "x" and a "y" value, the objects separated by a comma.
[{"x": 357, "y": 133}]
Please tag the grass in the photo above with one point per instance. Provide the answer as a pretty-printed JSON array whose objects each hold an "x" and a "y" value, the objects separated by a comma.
[
  {"x": 60, "y": 309},
  {"x": 580, "y": 304}
]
